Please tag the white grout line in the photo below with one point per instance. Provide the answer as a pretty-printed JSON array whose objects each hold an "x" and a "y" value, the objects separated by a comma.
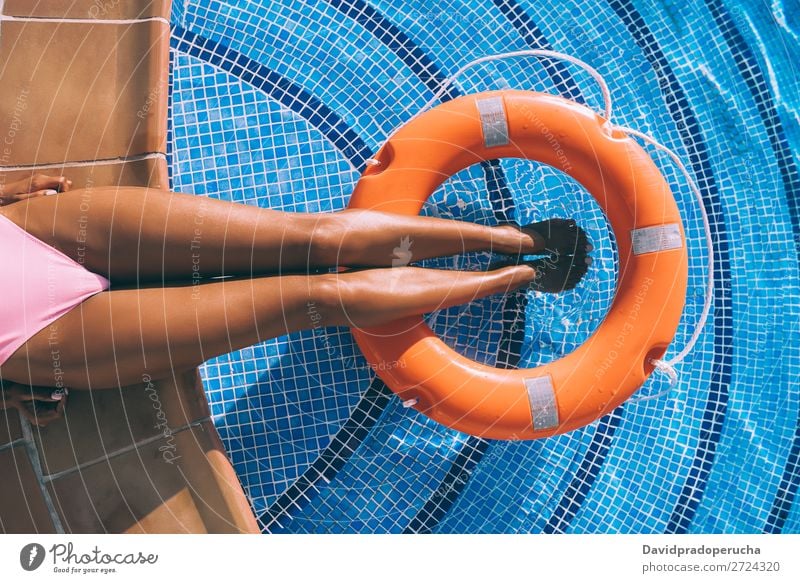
[
  {"x": 128, "y": 448},
  {"x": 33, "y": 454},
  {"x": 82, "y": 20},
  {"x": 83, "y": 163}
]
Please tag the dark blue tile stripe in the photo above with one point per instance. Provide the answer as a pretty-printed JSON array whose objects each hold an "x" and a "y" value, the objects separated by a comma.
[
  {"x": 355, "y": 430},
  {"x": 750, "y": 71},
  {"x": 787, "y": 489},
  {"x": 431, "y": 76},
  {"x": 581, "y": 483},
  {"x": 759, "y": 88},
  {"x": 426, "y": 71},
  {"x": 396, "y": 41},
  {"x": 535, "y": 39},
  {"x": 459, "y": 473},
  {"x": 277, "y": 87},
  {"x": 437, "y": 506},
  {"x": 716, "y": 406}
]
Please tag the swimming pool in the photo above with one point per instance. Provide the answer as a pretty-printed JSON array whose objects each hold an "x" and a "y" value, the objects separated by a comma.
[{"x": 278, "y": 103}]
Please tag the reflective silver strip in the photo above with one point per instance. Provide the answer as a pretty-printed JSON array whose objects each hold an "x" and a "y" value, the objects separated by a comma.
[
  {"x": 658, "y": 238},
  {"x": 542, "y": 398},
  {"x": 493, "y": 121}
]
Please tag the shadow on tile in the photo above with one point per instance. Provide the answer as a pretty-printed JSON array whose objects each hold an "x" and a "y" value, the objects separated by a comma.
[{"x": 179, "y": 484}]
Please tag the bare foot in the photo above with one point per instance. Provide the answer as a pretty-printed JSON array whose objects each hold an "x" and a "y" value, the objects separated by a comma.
[
  {"x": 560, "y": 273},
  {"x": 561, "y": 236}
]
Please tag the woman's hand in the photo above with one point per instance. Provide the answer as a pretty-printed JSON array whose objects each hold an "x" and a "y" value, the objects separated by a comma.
[
  {"x": 37, "y": 185},
  {"x": 39, "y": 405}
]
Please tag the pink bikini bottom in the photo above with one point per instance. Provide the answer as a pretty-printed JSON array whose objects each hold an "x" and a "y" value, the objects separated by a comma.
[{"x": 38, "y": 285}]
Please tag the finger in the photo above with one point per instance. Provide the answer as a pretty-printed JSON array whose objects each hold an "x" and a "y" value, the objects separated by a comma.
[
  {"x": 37, "y": 193},
  {"x": 43, "y": 182},
  {"x": 59, "y": 394},
  {"x": 66, "y": 185}
]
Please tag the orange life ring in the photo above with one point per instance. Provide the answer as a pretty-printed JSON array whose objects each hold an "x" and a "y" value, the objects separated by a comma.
[{"x": 615, "y": 361}]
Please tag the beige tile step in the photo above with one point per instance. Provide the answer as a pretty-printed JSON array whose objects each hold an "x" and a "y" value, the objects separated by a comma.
[
  {"x": 183, "y": 484},
  {"x": 82, "y": 92},
  {"x": 102, "y": 423}
]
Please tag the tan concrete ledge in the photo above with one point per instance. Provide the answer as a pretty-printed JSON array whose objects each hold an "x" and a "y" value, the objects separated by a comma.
[
  {"x": 77, "y": 91},
  {"x": 141, "y": 171},
  {"x": 183, "y": 485}
]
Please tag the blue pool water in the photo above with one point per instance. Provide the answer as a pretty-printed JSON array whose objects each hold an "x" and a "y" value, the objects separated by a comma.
[{"x": 277, "y": 103}]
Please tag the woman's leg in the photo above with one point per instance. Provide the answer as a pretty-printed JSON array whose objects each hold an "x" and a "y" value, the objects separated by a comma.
[
  {"x": 131, "y": 234},
  {"x": 115, "y": 338}
]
